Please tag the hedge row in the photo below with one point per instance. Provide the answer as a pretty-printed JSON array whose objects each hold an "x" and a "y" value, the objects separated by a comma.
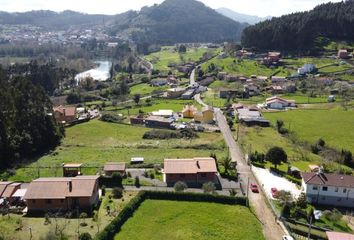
[{"x": 114, "y": 227}]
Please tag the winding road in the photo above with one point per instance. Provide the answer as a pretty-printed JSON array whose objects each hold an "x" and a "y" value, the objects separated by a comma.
[{"x": 258, "y": 202}]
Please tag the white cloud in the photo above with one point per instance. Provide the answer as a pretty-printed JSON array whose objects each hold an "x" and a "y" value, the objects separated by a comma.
[{"x": 253, "y": 7}]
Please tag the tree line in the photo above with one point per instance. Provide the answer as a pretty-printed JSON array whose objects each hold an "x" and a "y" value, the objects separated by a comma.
[
  {"x": 299, "y": 31},
  {"x": 27, "y": 125}
]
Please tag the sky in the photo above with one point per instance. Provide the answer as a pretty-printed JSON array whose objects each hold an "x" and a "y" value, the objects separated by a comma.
[{"x": 260, "y": 8}]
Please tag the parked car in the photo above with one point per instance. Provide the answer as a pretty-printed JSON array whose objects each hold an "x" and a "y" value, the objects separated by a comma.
[
  {"x": 287, "y": 237},
  {"x": 254, "y": 188},
  {"x": 274, "y": 192}
]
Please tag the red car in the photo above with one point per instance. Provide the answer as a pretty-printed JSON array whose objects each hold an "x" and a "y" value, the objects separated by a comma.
[
  {"x": 274, "y": 192},
  {"x": 254, "y": 188}
]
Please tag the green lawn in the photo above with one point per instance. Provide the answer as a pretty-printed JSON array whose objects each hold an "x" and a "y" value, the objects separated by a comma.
[
  {"x": 346, "y": 77},
  {"x": 96, "y": 142},
  {"x": 145, "y": 89},
  {"x": 169, "y": 55},
  {"x": 174, "y": 220},
  {"x": 335, "y": 126},
  {"x": 16, "y": 227},
  {"x": 325, "y": 65},
  {"x": 245, "y": 67}
]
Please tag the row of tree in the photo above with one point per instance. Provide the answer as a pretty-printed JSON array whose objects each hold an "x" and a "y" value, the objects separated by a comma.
[
  {"x": 298, "y": 31},
  {"x": 27, "y": 125}
]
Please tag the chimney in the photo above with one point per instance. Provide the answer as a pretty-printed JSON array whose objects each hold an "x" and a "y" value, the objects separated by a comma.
[
  {"x": 198, "y": 165},
  {"x": 70, "y": 186},
  {"x": 64, "y": 111}
]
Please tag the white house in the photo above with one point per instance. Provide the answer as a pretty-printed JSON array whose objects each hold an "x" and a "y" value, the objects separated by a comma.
[
  {"x": 307, "y": 68},
  {"x": 279, "y": 103},
  {"x": 329, "y": 189}
]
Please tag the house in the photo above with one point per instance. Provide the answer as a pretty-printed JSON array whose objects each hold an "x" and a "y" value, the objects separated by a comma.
[
  {"x": 162, "y": 113},
  {"x": 172, "y": 80},
  {"x": 136, "y": 160},
  {"x": 226, "y": 93},
  {"x": 339, "y": 236},
  {"x": 114, "y": 167},
  {"x": 343, "y": 54},
  {"x": 194, "y": 172},
  {"x": 328, "y": 189},
  {"x": 272, "y": 58},
  {"x": 189, "y": 111},
  {"x": 158, "y": 82},
  {"x": 331, "y": 98},
  {"x": 10, "y": 190},
  {"x": 72, "y": 169},
  {"x": 221, "y": 75},
  {"x": 3, "y": 187},
  {"x": 158, "y": 122},
  {"x": 279, "y": 103},
  {"x": 205, "y": 116},
  {"x": 175, "y": 92},
  {"x": 188, "y": 95},
  {"x": 251, "y": 89},
  {"x": 62, "y": 194},
  {"x": 314, "y": 168},
  {"x": 251, "y": 117},
  {"x": 64, "y": 114},
  {"x": 137, "y": 120},
  {"x": 277, "y": 79},
  {"x": 307, "y": 68}
]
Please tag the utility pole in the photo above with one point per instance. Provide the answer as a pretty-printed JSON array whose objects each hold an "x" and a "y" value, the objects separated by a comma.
[{"x": 309, "y": 233}]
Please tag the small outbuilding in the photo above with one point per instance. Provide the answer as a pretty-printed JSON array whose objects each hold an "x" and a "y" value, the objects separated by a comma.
[
  {"x": 114, "y": 167},
  {"x": 72, "y": 169}
]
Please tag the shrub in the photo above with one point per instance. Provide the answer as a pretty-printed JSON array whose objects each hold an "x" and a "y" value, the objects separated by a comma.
[
  {"x": 103, "y": 188},
  {"x": 137, "y": 182},
  {"x": 209, "y": 187},
  {"x": 85, "y": 236},
  {"x": 233, "y": 192},
  {"x": 117, "y": 193},
  {"x": 180, "y": 186},
  {"x": 276, "y": 155},
  {"x": 117, "y": 178},
  {"x": 113, "y": 118},
  {"x": 166, "y": 134},
  {"x": 301, "y": 201},
  {"x": 152, "y": 175}
]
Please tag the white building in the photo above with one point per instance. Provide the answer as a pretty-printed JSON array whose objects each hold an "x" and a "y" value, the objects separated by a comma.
[
  {"x": 307, "y": 68},
  {"x": 329, "y": 189},
  {"x": 279, "y": 103}
]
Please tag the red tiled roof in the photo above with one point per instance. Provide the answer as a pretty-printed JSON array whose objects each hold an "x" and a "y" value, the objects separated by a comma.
[
  {"x": 59, "y": 188},
  {"x": 189, "y": 166},
  {"x": 3, "y": 186},
  {"x": 10, "y": 190},
  {"x": 66, "y": 111},
  {"x": 114, "y": 167},
  {"x": 339, "y": 236},
  {"x": 326, "y": 179}
]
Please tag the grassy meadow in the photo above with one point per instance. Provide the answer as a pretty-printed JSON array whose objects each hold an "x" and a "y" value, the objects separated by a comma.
[
  {"x": 96, "y": 142},
  {"x": 335, "y": 126},
  {"x": 158, "y": 220}
]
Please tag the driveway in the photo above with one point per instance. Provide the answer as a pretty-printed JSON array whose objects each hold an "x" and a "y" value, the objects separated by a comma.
[{"x": 269, "y": 180}]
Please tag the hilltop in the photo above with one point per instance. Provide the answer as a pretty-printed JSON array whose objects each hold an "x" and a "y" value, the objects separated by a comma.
[{"x": 240, "y": 17}]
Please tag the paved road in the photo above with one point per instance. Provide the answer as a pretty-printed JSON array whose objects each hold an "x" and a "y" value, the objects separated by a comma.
[{"x": 271, "y": 227}]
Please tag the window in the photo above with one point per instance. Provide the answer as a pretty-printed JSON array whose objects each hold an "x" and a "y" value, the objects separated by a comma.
[
  {"x": 336, "y": 189},
  {"x": 324, "y": 188},
  {"x": 48, "y": 201},
  {"x": 344, "y": 190},
  {"x": 314, "y": 188}
]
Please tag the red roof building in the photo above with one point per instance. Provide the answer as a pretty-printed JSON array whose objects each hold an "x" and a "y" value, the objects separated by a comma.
[
  {"x": 64, "y": 114},
  {"x": 339, "y": 236}
]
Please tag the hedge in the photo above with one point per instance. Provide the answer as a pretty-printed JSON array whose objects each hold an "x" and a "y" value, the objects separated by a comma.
[{"x": 114, "y": 227}]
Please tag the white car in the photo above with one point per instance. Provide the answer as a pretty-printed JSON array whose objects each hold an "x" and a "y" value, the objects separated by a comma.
[{"x": 287, "y": 237}]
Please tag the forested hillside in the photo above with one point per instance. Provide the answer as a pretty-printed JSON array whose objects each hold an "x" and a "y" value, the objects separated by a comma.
[
  {"x": 27, "y": 126},
  {"x": 176, "y": 21},
  {"x": 298, "y": 31}
]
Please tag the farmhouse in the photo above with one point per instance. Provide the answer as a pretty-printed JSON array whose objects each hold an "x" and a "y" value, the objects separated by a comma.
[
  {"x": 162, "y": 113},
  {"x": 225, "y": 93},
  {"x": 193, "y": 172},
  {"x": 277, "y": 79},
  {"x": 189, "y": 111},
  {"x": 114, "y": 167},
  {"x": 328, "y": 189},
  {"x": 158, "y": 122},
  {"x": 175, "y": 92},
  {"x": 62, "y": 194},
  {"x": 64, "y": 114},
  {"x": 205, "y": 116},
  {"x": 279, "y": 103},
  {"x": 251, "y": 117},
  {"x": 343, "y": 54},
  {"x": 188, "y": 95}
]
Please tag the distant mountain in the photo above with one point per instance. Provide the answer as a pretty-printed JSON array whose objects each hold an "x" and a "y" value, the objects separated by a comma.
[
  {"x": 53, "y": 20},
  {"x": 240, "y": 17},
  {"x": 176, "y": 21},
  {"x": 301, "y": 31}
]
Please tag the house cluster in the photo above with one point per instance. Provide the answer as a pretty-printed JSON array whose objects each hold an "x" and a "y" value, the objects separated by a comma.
[
  {"x": 206, "y": 115},
  {"x": 328, "y": 189},
  {"x": 251, "y": 116},
  {"x": 170, "y": 81}
]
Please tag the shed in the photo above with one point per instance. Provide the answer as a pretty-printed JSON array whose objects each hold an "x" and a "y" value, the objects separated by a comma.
[{"x": 72, "y": 169}]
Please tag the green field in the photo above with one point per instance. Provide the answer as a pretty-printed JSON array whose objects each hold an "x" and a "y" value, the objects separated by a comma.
[
  {"x": 169, "y": 55},
  {"x": 245, "y": 67},
  {"x": 335, "y": 126},
  {"x": 96, "y": 142},
  {"x": 145, "y": 89},
  {"x": 174, "y": 220},
  {"x": 325, "y": 65},
  {"x": 346, "y": 77}
]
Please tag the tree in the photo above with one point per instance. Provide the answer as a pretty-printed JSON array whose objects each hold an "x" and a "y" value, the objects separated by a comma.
[
  {"x": 230, "y": 122},
  {"x": 302, "y": 201},
  {"x": 276, "y": 155},
  {"x": 117, "y": 193},
  {"x": 347, "y": 158},
  {"x": 85, "y": 236},
  {"x": 209, "y": 187},
  {"x": 182, "y": 49},
  {"x": 180, "y": 186},
  {"x": 137, "y": 182},
  {"x": 117, "y": 179},
  {"x": 137, "y": 98},
  {"x": 83, "y": 217},
  {"x": 226, "y": 163}
]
